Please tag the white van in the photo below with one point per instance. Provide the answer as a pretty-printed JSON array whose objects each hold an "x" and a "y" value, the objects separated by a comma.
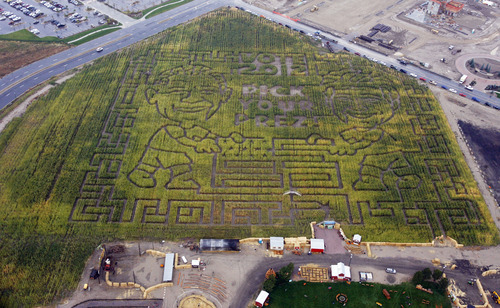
[{"x": 184, "y": 260}]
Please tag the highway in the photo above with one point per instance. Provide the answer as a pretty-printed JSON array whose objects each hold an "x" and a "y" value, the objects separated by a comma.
[{"x": 17, "y": 83}]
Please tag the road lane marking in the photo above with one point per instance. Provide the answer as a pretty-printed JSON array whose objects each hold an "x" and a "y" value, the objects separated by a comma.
[{"x": 54, "y": 64}]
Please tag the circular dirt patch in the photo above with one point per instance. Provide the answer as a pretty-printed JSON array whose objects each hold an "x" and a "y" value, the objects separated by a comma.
[
  {"x": 391, "y": 279},
  {"x": 196, "y": 301}
]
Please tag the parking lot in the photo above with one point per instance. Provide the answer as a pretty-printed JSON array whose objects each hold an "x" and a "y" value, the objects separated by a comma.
[{"x": 61, "y": 18}]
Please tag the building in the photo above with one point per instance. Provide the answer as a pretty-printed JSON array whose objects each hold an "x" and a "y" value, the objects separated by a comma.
[
  {"x": 276, "y": 243},
  {"x": 219, "y": 245},
  {"x": 261, "y": 299},
  {"x": 168, "y": 267},
  {"x": 317, "y": 245},
  {"x": 452, "y": 8},
  {"x": 340, "y": 272},
  {"x": 434, "y": 7}
]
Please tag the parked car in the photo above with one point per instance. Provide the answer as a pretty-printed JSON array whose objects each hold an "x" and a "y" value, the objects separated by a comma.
[
  {"x": 453, "y": 90},
  {"x": 475, "y": 99},
  {"x": 432, "y": 82},
  {"x": 413, "y": 75},
  {"x": 402, "y": 71},
  {"x": 422, "y": 78},
  {"x": 390, "y": 270},
  {"x": 444, "y": 87},
  {"x": 462, "y": 95},
  {"x": 469, "y": 88}
]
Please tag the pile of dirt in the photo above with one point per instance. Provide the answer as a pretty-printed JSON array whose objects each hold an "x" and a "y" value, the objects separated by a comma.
[{"x": 485, "y": 143}]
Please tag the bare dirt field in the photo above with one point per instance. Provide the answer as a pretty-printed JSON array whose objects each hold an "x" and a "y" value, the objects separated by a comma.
[{"x": 14, "y": 55}]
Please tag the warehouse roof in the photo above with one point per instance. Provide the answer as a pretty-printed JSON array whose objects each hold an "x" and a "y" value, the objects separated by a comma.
[{"x": 219, "y": 245}]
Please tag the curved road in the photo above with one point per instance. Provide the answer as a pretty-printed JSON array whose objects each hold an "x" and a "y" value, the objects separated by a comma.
[{"x": 15, "y": 84}]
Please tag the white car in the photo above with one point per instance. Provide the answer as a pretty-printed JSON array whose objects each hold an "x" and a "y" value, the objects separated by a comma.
[
  {"x": 413, "y": 75},
  {"x": 383, "y": 63},
  {"x": 453, "y": 90},
  {"x": 432, "y": 82},
  {"x": 99, "y": 49},
  {"x": 469, "y": 88},
  {"x": 390, "y": 270}
]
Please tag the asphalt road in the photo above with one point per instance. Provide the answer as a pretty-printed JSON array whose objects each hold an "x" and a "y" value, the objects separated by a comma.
[{"x": 15, "y": 84}]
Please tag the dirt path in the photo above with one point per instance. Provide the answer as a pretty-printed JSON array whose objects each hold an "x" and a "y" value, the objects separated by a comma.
[{"x": 21, "y": 109}]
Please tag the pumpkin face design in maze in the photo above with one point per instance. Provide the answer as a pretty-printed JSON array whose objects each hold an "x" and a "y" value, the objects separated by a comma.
[{"x": 231, "y": 132}]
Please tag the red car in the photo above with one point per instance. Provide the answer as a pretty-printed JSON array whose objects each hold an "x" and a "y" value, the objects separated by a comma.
[
  {"x": 422, "y": 78},
  {"x": 357, "y": 54},
  {"x": 463, "y": 95}
]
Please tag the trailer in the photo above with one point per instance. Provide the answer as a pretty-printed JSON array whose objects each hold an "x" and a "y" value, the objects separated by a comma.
[{"x": 261, "y": 299}]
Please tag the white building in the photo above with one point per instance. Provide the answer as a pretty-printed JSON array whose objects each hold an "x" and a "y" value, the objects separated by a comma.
[
  {"x": 340, "y": 272},
  {"x": 276, "y": 243}
]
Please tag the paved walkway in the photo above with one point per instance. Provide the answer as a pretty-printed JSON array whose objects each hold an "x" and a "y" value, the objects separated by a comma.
[
  {"x": 333, "y": 242},
  {"x": 125, "y": 20}
]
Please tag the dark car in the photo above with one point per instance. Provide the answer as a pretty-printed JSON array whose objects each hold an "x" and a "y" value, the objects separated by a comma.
[
  {"x": 403, "y": 62},
  {"x": 357, "y": 54},
  {"x": 393, "y": 67},
  {"x": 288, "y": 26},
  {"x": 444, "y": 87},
  {"x": 403, "y": 71}
]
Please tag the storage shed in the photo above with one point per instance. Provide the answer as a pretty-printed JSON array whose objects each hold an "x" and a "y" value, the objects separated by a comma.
[
  {"x": 261, "y": 299},
  {"x": 168, "y": 267},
  {"x": 317, "y": 245},
  {"x": 340, "y": 272},
  {"x": 276, "y": 243},
  {"x": 219, "y": 245}
]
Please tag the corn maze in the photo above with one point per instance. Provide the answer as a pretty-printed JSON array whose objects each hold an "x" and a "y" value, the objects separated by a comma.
[
  {"x": 223, "y": 134},
  {"x": 201, "y": 130}
]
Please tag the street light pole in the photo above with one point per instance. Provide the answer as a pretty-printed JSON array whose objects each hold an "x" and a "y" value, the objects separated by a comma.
[{"x": 350, "y": 259}]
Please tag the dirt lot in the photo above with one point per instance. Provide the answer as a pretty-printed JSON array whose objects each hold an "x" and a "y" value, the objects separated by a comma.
[{"x": 14, "y": 55}]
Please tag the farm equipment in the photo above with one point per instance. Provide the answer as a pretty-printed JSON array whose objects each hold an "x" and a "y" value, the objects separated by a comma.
[{"x": 495, "y": 297}]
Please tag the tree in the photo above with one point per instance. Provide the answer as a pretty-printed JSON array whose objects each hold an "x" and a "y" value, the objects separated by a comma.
[
  {"x": 443, "y": 284},
  {"x": 269, "y": 284},
  {"x": 285, "y": 273},
  {"x": 437, "y": 274},
  {"x": 418, "y": 278},
  {"x": 471, "y": 63},
  {"x": 427, "y": 273}
]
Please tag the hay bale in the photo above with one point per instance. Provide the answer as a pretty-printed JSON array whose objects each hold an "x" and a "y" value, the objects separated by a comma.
[
  {"x": 436, "y": 261},
  {"x": 488, "y": 273}
]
